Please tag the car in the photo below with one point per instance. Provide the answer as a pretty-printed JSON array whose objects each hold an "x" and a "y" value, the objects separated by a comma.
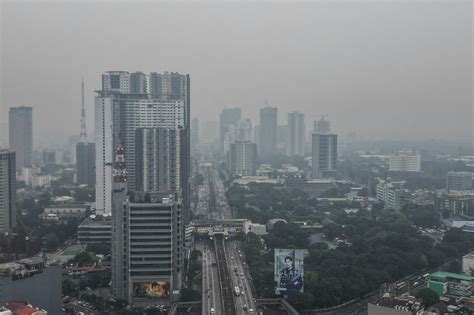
[
  {"x": 251, "y": 310},
  {"x": 244, "y": 307},
  {"x": 213, "y": 311},
  {"x": 242, "y": 292}
]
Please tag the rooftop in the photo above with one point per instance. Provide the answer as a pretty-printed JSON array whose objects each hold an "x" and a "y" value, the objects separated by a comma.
[{"x": 444, "y": 275}]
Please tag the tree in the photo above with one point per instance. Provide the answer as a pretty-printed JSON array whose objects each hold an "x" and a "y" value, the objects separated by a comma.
[
  {"x": 428, "y": 296},
  {"x": 51, "y": 241},
  {"x": 188, "y": 295},
  {"x": 301, "y": 301}
]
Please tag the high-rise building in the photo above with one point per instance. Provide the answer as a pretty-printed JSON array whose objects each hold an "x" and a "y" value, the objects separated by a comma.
[
  {"x": 243, "y": 132},
  {"x": 159, "y": 159},
  {"x": 459, "y": 181},
  {"x": 295, "y": 140},
  {"x": 268, "y": 131},
  {"x": 85, "y": 163},
  {"x": 209, "y": 131},
  {"x": 324, "y": 148},
  {"x": 7, "y": 191},
  {"x": 243, "y": 158},
  {"x": 194, "y": 134},
  {"x": 119, "y": 113},
  {"x": 21, "y": 134},
  {"x": 404, "y": 163},
  {"x": 322, "y": 126},
  {"x": 154, "y": 252},
  {"x": 227, "y": 122}
]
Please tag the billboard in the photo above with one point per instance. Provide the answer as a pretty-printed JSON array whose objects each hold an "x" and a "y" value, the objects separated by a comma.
[
  {"x": 157, "y": 289},
  {"x": 288, "y": 276}
]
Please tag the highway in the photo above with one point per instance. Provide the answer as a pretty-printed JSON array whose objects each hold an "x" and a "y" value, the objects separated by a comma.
[
  {"x": 211, "y": 297},
  {"x": 221, "y": 260},
  {"x": 227, "y": 291}
]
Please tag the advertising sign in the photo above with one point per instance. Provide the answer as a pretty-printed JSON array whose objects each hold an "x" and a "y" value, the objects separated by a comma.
[
  {"x": 157, "y": 289},
  {"x": 289, "y": 273}
]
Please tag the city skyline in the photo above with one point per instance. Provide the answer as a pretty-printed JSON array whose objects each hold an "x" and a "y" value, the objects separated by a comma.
[{"x": 325, "y": 79}]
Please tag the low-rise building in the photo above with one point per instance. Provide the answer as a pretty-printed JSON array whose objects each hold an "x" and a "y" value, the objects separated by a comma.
[
  {"x": 450, "y": 284},
  {"x": 255, "y": 228},
  {"x": 468, "y": 264},
  {"x": 391, "y": 193},
  {"x": 95, "y": 230},
  {"x": 455, "y": 203},
  {"x": 313, "y": 187},
  {"x": 66, "y": 211},
  {"x": 272, "y": 222}
]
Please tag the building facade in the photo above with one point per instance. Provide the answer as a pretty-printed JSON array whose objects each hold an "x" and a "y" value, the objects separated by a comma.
[
  {"x": 243, "y": 158},
  {"x": 243, "y": 131},
  {"x": 404, "y": 163},
  {"x": 85, "y": 163},
  {"x": 459, "y": 181},
  {"x": 159, "y": 159},
  {"x": 324, "y": 152},
  {"x": 119, "y": 113},
  {"x": 7, "y": 191},
  {"x": 154, "y": 248},
  {"x": 391, "y": 193},
  {"x": 21, "y": 134},
  {"x": 268, "y": 131},
  {"x": 295, "y": 140}
]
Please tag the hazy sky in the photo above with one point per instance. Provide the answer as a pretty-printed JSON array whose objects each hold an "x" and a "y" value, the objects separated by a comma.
[{"x": 394, "y": 69}]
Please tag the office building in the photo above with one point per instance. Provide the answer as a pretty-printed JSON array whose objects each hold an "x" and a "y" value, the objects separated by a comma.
[
  {"x": 404, "y": 163},
  {"x": 21, "y": 134},
  {"x": 391, "y": 193},
  {"x": 468, "y": 264},
  {"x": 159, "y": 159},
  {"x": 243, "y": 158},
  {"x": 268, "y": 131},
  {"x": 227, "y": 122},
  {"x": 324, "y": 149},
  {"x": 322, "y": 126},
  {"x": 451, "y": 284},
  {"x": 85, "y": 163},
  {"x": 119, "y": 113},
  {"x": 459, "y": 181},
  {"x": 243, "y": 130},
  {"x": 7, "y": 191},
  {"x": 153, "y": 247},
  {"x": 455, "y": 203},
  {"x": 295, "y": 140}
]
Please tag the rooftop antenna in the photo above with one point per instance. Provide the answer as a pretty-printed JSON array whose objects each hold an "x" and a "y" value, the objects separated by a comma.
[{"x": 83, "y": 116}]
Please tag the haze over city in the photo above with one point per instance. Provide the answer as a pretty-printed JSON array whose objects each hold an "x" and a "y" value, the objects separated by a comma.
[{"x": 388, "y": 69}]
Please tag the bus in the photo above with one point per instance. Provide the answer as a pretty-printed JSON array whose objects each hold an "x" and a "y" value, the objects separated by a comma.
[{"x": 237, "y": 291}]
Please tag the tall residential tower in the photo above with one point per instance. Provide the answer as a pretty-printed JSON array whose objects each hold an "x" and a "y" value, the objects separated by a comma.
[{"x": 21, "y": 134}]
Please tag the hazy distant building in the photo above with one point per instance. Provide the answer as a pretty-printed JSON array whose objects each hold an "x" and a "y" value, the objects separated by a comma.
[
  {"x": 324, "y": 152},
  {"x": 7, "y": 191},
  {"x": 256, "y": 134},
  {"x": 119, "y": 112},
  {"x": 49, "y": 156},
  {"x": 461, "y": 181},
  {"x": 243, "y": 158},
  {"x": 282, "y": 134},
  {"x": 159, "y": 159},
  {"x": 295, "y": 140},
  {"x": 268, "y": 131},
  {"x": 243, "y": 131},
  {"x": 322, "y": 126},
  {"x": 404, "y": 163},
  {"x": 227, "y": 123},
  {"x": 85, "y": 163},
  {"x": 209, "y": 131},
  {"x": 21, "y": 134}
]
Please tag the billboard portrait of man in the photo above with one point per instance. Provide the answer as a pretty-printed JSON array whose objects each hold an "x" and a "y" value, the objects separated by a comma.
[{"x": 288, "y": 271}]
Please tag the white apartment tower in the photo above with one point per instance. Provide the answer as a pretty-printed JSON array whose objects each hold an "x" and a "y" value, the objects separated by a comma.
[{"x": 127, "y": 102}]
